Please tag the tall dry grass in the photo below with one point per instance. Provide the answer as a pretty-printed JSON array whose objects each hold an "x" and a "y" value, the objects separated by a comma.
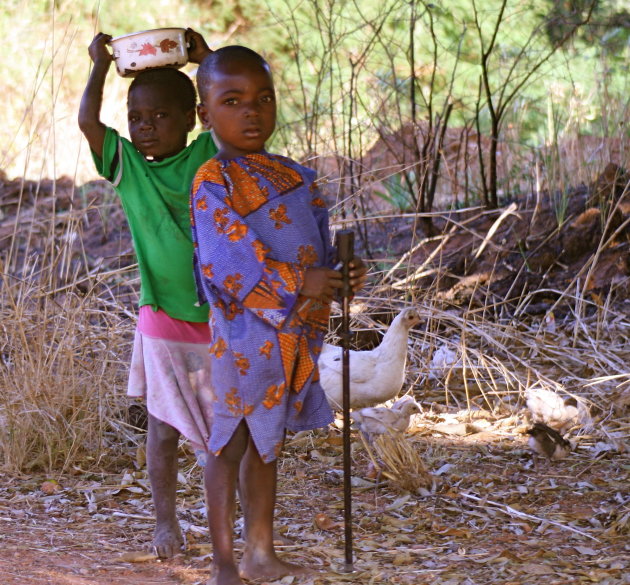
[
  {"x": 62, "y": 378},
  {"x": 493, "y": 361},
  {"x": 66, "y": 335},
  {"x": 64, "y": 344},
  {"x": 66, "y": 329}
]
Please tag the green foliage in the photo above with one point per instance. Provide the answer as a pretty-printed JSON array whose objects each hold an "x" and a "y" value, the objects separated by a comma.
[
  {"x": 396, "y": 191},
  {"x": 609, "y": 26},
  {"x": 343, "y": 68}
]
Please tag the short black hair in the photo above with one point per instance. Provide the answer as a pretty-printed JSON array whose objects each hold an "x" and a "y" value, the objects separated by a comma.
[
  {"x": 175, "y": 82},
  {"x": 224, "y": 57}
]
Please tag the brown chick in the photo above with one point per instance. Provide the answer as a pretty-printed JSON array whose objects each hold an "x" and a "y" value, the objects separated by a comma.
[{"x": 548, "y": 442}]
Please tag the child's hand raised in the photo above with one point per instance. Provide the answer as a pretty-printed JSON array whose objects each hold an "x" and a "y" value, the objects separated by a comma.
[
  {"x": 98, "y": 49},
  {"x": 320, "y": 283},
  {"x": 198, "y": 49}
]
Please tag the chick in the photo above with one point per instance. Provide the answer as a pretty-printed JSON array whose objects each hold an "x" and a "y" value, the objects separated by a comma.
[
  {"x": 548, "y": 442},
  {"x": 401, "y": 403},
  {"x": 376, "y": 375},
  {"x": 378, "y": 420}
]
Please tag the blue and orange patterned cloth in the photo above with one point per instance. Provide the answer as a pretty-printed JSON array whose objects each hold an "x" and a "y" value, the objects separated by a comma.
[{"x": 258, "y": 223}]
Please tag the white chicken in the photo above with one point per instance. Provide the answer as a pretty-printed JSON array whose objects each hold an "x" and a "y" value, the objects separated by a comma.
[
  {"x": 379, "y": 420},
  {"x": 376, "y": 375},
  {"x": 549, "y": 408}
]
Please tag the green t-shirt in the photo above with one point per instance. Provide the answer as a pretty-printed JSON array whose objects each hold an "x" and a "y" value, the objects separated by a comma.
[{"x": 155, "y": 198}]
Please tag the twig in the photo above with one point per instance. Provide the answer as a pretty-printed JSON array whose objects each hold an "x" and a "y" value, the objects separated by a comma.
[
  {"x": 512, "y": 512},
  {"x": 495, "y": 226},
  {"x": 593, "y": 462}
]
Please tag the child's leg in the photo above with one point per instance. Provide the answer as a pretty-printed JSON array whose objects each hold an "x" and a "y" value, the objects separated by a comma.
[
  {"x": 221, "y": 473},
  {"x": 258, "y": 492},
  {"x": 162, "y": 442}
]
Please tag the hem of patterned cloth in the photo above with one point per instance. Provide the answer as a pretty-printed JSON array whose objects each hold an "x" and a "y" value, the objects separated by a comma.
[
  {"x": 174, "y": 378},
  {"x": 202, "y": 457},
  {"x": 268, "y": 442}
]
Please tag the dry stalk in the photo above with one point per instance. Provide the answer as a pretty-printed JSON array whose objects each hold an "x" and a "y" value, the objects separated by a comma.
[{"x": 401, "y": 463}]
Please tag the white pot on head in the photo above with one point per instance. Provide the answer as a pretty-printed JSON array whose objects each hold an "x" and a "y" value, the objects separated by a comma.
[{"x": 148, "y": 49}]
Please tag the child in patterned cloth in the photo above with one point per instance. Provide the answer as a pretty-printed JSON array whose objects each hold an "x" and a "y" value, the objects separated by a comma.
[
  {"x": 152, "y": 174},
  {"x": 263, "y": 261}
]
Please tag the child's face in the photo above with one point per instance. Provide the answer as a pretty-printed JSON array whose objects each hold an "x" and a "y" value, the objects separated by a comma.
[
  {"x": 240, "y": 106},
  {"x": 158, "y": 125}
]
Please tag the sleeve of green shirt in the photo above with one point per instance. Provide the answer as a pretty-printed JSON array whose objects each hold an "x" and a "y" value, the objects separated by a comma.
[{"x": 109, "y": 166}]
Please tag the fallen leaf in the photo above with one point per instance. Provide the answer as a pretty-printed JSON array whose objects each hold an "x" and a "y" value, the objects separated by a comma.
[
  {"x": 325, "y": 522},
  {"x": 457, "y": 532},
  {"x": 136, "y": 557},
  {"x": 50, "y": 487},
  {"x": 336, "y": 440},
  {"x": 398, "y": 502},
  {"x": 585, "y": 550},
  {"x": 537, "y": 569},
  {"x": 315, "y": 454},
  {"x": 402, "y": 559},
  {"x": 444, "y": 469},
  {"x": 372, "y": 471},
  {"x": 460, "y": 429},
  {"x": 359, "y": 482}
]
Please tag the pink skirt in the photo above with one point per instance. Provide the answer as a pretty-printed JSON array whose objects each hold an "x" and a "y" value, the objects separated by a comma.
[{"x": 170, "y": 367}]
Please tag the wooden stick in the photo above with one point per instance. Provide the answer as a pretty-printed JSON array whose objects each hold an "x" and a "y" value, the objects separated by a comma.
[{"x": 345, "y": 253}]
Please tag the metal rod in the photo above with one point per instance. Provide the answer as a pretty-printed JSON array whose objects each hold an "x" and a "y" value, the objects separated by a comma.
[{"x": 345, "y": 252}]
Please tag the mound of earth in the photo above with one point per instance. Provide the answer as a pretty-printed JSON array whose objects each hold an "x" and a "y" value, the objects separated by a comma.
[
  {"x": 541, "y": 247},
  {"x": 538, "y": 246}
]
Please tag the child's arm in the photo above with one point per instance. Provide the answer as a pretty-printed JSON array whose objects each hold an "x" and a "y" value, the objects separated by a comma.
[
  {"x": 198, "y": 49},
  {"x": 90, "y": 109}
]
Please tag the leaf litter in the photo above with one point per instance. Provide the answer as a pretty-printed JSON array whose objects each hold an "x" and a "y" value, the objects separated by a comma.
[
  {"x": 459, "y": 498},
  {"x": 493, "y": 513}
]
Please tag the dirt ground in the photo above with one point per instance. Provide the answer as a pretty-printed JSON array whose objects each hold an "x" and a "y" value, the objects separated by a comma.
[{"x": 495, "y": 514}]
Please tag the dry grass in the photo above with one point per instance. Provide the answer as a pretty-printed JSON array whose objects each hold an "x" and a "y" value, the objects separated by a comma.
[
  {"x": 402, "y": 463},
  {"x": 62, "y": 375},
  {"x": 66, "y": 339},
  {"x": 493, "y": 362}
]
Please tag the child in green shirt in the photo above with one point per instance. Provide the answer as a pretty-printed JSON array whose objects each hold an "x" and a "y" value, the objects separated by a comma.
[{"x": 152, "y": 174}]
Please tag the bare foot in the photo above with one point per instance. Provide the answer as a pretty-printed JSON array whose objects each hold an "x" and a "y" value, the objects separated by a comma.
[
  {"x": 269, "y": 568},
  {"x": 224, "y": 576},
  {"x": 167, "y": 540}
]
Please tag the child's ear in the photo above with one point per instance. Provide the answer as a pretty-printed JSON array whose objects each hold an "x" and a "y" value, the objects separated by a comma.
[
  {"x": 191, "y": 120},
  {"x": 204, "y": 117}
]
